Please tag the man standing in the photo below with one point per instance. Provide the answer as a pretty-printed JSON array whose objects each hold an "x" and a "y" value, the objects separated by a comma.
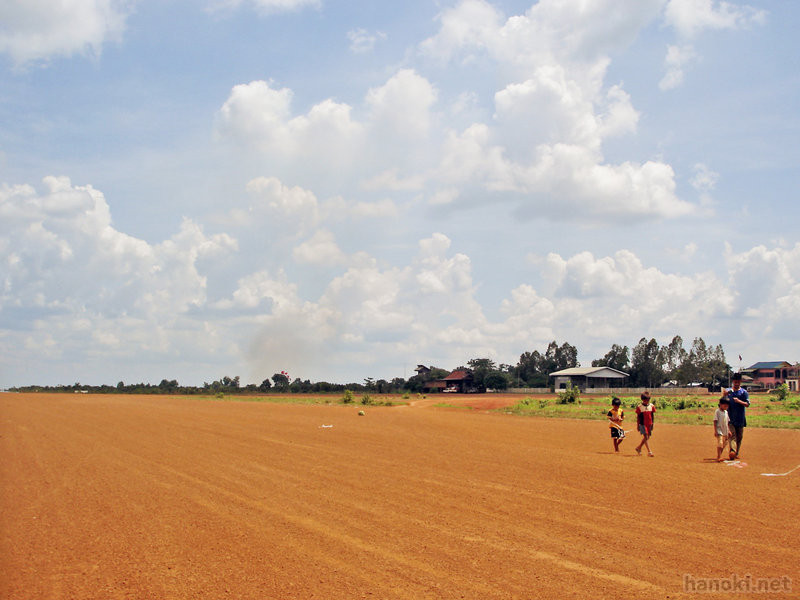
[{"x": 739, "y": 400}]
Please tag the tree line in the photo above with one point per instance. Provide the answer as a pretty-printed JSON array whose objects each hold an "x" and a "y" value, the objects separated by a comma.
[
  {"x": 651, "y": 365},
  {"x": 647, "y": 363}
]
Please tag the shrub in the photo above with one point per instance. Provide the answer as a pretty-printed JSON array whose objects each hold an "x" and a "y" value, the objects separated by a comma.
[
  {"x": 685, "y": 403},
  {"x": 532, "y": 403},
  {"x": 570, "y": 395},
  {"x": 348, "y": 397},
  {"x": 366, "y": 399},
  {"x": 781, "y": 392}
]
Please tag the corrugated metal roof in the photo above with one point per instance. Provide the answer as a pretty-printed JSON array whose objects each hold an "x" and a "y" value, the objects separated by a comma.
[
  {"x": 778, "y": 364},
  {"x": 589, "y": 372}
]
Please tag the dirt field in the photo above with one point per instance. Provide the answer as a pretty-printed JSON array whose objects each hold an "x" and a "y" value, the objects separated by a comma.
[{"x": 153, "y": 497}]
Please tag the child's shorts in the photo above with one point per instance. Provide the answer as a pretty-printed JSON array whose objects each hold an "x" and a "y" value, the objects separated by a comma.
[
  {"x": 617, "y": 433},
  {"x": 722, "y": 441},
  {"x": 643, "y": 430}
]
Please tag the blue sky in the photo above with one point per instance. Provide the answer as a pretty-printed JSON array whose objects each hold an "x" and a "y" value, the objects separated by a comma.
[{"x": 344, "y": 190}]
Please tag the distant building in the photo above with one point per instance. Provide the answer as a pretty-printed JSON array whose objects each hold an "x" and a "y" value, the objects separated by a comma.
[
  {"x": 588, "y": 378},
  {"x": 422, "y": 370},
  {"x": 769, "y": 375},
  {"x": 460, "y": 381},
  {"x": 793, "y": 378}
]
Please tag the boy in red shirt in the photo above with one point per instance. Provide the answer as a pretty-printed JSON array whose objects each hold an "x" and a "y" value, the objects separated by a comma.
[{"x": 645, "y": 415}]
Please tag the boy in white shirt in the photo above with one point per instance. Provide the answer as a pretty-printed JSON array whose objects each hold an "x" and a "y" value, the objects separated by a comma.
[{"x": 721, "y": 431}]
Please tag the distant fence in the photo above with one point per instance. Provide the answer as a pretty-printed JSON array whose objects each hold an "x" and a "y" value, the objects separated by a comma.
[
  {"x": 668, "y": 391},
  {"x": 671, "y": 391}
]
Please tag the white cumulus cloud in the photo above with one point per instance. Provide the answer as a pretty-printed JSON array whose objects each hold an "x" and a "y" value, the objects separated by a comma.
[
  {"x": 689, "y": 17},
  {"x": 259, "y": 115},
  {"x": 542, "y": 150},
  {"x": 62, "y": 257},
  {"x": 74, "y": 288},
  {"x": 320, "y": 249},
  {"x": 38, "y": 30},
  {"x": 402, "y": 106}
]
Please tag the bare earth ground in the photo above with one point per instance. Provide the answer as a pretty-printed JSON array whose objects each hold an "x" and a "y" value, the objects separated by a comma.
[{"x": 163, "y": 497}]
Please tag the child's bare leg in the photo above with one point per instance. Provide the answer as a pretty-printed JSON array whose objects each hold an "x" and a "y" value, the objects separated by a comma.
[
  {"x": 646, "y": 445},
  {"x": 738, "y": 436}
]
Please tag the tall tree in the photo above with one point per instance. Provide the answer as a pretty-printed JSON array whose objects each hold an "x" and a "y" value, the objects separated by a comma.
[
  {"x": 534, "y": 368},
  {"x": 229, "y": 383},
  {"x": 496, "y": 380},
  {"x": 566, "y": 356},
  {"x": 617, "y": 358},
  {"x": 646, "y": 361},
  {"x": 674, "y": 357},
  {"x": 281, "y": 381},
  {"x": 529, "y": 369},
  {"x": 695, "y": 366},
  {"x": 481, "y": 367},
  {"x": 550, "y": 361},
  {"x": 718, "y": 367}
]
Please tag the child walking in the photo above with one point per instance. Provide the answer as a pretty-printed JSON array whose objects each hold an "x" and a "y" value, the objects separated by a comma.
[
  {"x": 615, "y": 417},
  {"x": 721, "y": 430},
  {"x": 645, "y": 415}
]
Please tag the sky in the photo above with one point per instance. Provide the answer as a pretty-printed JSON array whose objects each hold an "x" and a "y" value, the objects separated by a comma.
[{"x": 347, "y": 189}]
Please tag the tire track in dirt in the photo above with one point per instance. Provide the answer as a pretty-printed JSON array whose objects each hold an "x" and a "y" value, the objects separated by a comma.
[
  {"x": 318, "y": 526},
  {"x": 353, "y": 525}
]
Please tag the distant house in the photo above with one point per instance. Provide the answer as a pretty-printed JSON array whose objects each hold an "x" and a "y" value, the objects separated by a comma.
[
  {"x": 588, "y": 378},
  {"x": 793, "y": 378},
  {"x": 460, "y": 381},
  {"x": 422, "y": 370},
  {"x": 769, "y": 375}
]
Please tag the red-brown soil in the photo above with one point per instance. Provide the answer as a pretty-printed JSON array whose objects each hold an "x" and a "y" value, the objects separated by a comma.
[{"x": 162, "y": 497}]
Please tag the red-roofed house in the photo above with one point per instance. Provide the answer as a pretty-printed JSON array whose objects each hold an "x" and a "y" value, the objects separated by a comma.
[{"x": 460, "y": 381}]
